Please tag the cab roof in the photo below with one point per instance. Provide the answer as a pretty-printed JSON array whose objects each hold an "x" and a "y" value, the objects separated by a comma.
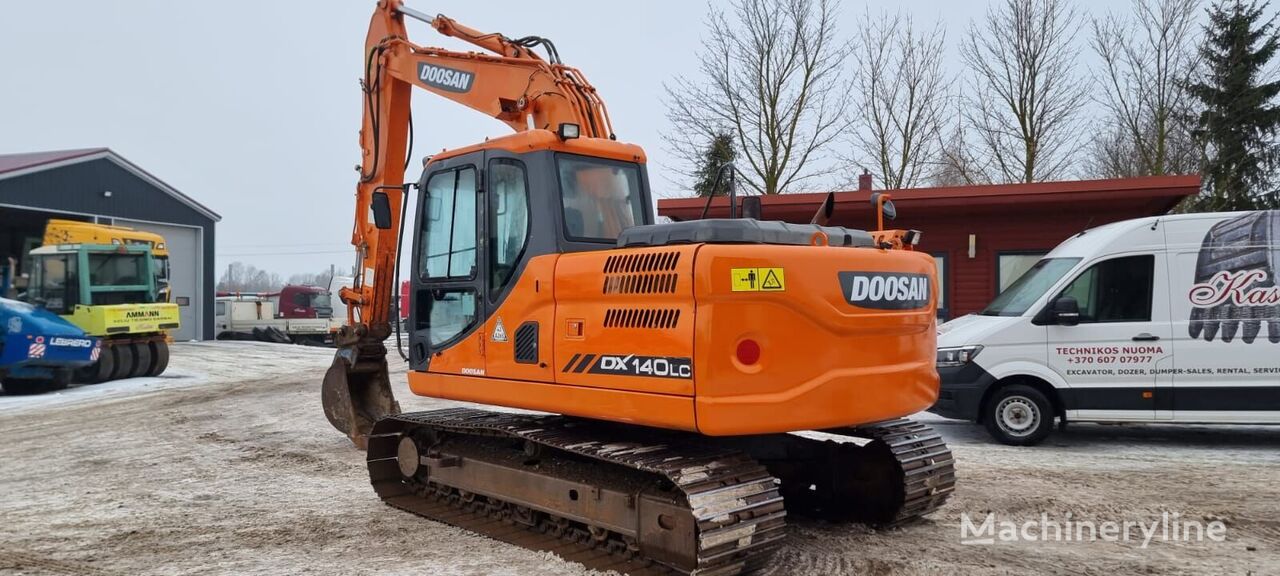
[
  {"x": 538, "y": 139},
  {"x": 98, "y": 248}
]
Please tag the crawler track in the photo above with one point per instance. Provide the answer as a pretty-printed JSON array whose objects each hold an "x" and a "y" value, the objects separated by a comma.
[
  {"x": 682, "y": 506},
  {"x": 646, "y": 501},
  {"x": 924, "y": 468}
]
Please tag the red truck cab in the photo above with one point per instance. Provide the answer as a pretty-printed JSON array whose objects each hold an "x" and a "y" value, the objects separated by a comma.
[{"x": 303, "y": 302}]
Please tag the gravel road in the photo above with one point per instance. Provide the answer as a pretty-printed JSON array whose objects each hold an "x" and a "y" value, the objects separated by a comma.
[{"x": 227, "y": 466}]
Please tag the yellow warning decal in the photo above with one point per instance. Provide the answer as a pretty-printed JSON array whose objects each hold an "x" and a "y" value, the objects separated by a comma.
[{"x": 758, "y": 280}]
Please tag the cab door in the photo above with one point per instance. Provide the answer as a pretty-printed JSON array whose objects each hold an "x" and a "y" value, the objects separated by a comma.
[
  {"x": 1113, "y": 357},
  {"x": 519, "y": 282},
  {"x": 448, "y": 269}
]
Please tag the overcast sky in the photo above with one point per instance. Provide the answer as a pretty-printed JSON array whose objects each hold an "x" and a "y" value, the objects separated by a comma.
[{"x": 253, "y": 108}]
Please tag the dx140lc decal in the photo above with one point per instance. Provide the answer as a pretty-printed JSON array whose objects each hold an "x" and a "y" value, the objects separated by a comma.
[
  {"x": 630, "y": 365},
  {"x": 885, "y": 290}
]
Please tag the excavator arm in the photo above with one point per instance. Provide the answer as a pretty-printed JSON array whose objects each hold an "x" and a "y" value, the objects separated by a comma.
[{"x": 509, "y": 82}]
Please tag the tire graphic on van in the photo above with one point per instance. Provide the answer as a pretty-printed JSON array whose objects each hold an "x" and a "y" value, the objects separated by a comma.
[{"x": 1235, "y": 291}]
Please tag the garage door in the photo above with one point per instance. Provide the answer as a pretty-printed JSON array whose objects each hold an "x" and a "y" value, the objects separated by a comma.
[{"x": 184, "y": 272}]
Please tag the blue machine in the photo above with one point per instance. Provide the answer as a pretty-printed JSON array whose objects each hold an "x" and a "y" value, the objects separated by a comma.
[{"x": 39, "y": 350}]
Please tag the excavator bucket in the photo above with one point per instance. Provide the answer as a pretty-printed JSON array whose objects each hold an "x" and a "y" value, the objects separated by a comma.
[{"x": 357, "y": 392}]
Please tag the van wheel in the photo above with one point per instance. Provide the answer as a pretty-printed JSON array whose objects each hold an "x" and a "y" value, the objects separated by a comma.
[{"x": 1018, "y": 415}]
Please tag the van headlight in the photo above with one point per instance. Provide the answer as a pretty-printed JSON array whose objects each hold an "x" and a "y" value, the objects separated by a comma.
[{"x": 957, "y": 356}]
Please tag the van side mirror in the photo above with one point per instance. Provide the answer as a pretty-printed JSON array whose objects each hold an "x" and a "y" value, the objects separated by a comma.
[
  {"x": 380, "y": 204},
  {"x": 1066, "y": 311}
]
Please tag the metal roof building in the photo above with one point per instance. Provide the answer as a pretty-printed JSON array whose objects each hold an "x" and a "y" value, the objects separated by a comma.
[
  {"x": 983, "y": 237},
  {"x": 98, "y": 185}
]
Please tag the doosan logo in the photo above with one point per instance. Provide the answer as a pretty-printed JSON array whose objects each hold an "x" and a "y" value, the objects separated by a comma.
[
  {"x": 445, "y": 78},
  {"x": 886, "y": 290}
]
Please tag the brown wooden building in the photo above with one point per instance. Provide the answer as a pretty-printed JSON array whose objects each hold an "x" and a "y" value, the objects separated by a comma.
[{"x": 983, "y": 237}]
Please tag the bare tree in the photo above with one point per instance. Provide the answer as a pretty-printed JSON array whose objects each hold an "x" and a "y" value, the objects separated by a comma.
[
  {"x": 957, "y": 164},
  {"x": 771, "y": 76},
  {"x": 1147, "y": 62},
  {"x": 321, "y": 278},
  {"x": 241, "y": 277},
  {"x": 1024, "y": 93},
  {"x": 901, "y": 98},
  {"x": 1112, "y": 153}
]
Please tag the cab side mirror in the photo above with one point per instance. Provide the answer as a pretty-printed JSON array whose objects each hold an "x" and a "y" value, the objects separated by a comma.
[
  {"x": 890, "y": 212},
  {"x": 380, "y": 204},
  {"x": 883, "y": 206},
  {"x": 1066, "y": 311}
]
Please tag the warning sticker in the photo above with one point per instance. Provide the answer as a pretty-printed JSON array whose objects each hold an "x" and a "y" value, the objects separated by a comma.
[{"x": 758, "y": 280}]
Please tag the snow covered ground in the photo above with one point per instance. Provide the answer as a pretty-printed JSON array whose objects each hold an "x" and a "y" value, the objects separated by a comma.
[
  {"x": 190, "y": 364},
  {"x": 226, "y": 465}
]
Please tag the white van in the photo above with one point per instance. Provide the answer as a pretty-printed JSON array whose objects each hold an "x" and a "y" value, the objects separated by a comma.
[{"x": 1162, "y": 320}]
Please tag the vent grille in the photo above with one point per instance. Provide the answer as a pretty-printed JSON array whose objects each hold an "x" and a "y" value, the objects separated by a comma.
[
  {"x": 641, "y": 262},
  {"x": 659, "y": 318},
  {"x": 641, "y": 273},
  {"x": 640, "y": 284},
  {"x": 526, "y": 347}
]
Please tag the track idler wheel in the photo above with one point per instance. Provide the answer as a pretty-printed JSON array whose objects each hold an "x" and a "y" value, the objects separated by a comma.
[{"x": 357, "y": 392}]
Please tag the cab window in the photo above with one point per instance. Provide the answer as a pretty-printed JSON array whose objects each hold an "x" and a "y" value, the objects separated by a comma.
[
  {"x": 117, "y": 270},
  {"x": 601, "y": 198},
  {"x": 508, "y": 220},
  {"x": 448, "y": 313},
  {"x": 448, "y": 237},
  {"x": 57, "y": 286},
  {"x": 1116, "y": 290}
]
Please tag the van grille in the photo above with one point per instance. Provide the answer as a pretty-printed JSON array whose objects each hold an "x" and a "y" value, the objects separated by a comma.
[
  {"x": 641, "y": 273},
  {"x": 661, "y": 318}
]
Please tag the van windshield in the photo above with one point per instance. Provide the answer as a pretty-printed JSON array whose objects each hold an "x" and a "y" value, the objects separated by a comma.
[{"x": 1029, "y": 287}]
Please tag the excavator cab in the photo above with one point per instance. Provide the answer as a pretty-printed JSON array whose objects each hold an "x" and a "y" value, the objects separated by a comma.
[{"x": 483, "y": 215}]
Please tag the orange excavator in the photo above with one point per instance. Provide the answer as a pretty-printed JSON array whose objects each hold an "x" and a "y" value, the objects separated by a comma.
[{"x": 671, "y": 364}]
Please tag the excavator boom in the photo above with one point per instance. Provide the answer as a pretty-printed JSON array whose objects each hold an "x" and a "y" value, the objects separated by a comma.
[{"x": 512, "y": 84}]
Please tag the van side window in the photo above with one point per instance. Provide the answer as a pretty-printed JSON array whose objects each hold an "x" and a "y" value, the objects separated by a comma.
[{"x": 1116, "y": 290}]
